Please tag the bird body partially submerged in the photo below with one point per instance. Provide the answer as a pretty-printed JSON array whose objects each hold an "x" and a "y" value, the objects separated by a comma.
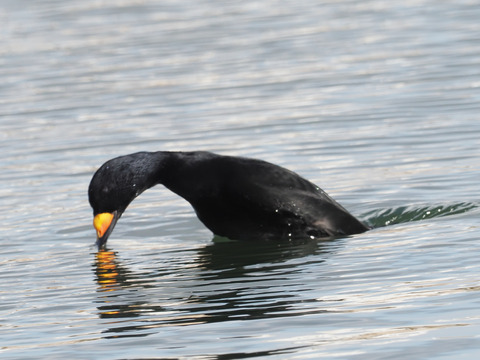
[{"x": 238, "y": 198}]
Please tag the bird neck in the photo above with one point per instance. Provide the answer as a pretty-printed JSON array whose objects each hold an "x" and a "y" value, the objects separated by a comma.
[{"x": 174, "y": 170}]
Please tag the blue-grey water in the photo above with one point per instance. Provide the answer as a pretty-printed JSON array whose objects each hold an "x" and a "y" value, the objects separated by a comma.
[{"x": 377, "y": 102}]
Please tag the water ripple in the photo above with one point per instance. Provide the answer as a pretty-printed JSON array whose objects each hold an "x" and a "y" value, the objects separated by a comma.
[{"x": 402, "y": 214}]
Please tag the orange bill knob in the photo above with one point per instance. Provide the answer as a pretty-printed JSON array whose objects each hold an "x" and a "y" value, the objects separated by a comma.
[{"x": 102, "y": 222}]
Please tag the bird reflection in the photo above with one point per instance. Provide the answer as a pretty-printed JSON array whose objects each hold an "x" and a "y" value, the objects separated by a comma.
[
  {"x": 112, "y": 277},
  {"x": 107, "y": 270},
  {"x": 225, "y": 255},
  {"x": 227, "y": 281}
]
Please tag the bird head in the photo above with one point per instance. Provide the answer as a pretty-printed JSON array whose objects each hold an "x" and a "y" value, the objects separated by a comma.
[{"x": 112, "y": 188}]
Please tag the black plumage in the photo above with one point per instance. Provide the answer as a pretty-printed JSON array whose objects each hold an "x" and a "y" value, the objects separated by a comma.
[{"x": 235, "y": 197}]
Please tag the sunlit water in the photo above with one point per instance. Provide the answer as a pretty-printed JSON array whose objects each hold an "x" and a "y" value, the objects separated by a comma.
[{"x": 376, "y": 102}]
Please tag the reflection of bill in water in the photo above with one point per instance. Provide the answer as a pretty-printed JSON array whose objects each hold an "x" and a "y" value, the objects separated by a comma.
[{"x": 106, "y": 269}]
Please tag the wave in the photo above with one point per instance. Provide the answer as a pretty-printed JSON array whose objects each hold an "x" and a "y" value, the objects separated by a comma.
[{"x": 403, "y": 214}]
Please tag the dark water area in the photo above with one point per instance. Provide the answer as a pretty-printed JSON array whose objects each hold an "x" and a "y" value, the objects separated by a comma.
[{"x": 376, "y": 102}]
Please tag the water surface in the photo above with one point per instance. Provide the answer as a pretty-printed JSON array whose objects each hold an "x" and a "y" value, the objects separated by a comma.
[{"x": 375, "y": 102}]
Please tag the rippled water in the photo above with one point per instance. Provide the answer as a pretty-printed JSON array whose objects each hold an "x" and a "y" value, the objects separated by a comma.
[{"x": 377, "y": 102}]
